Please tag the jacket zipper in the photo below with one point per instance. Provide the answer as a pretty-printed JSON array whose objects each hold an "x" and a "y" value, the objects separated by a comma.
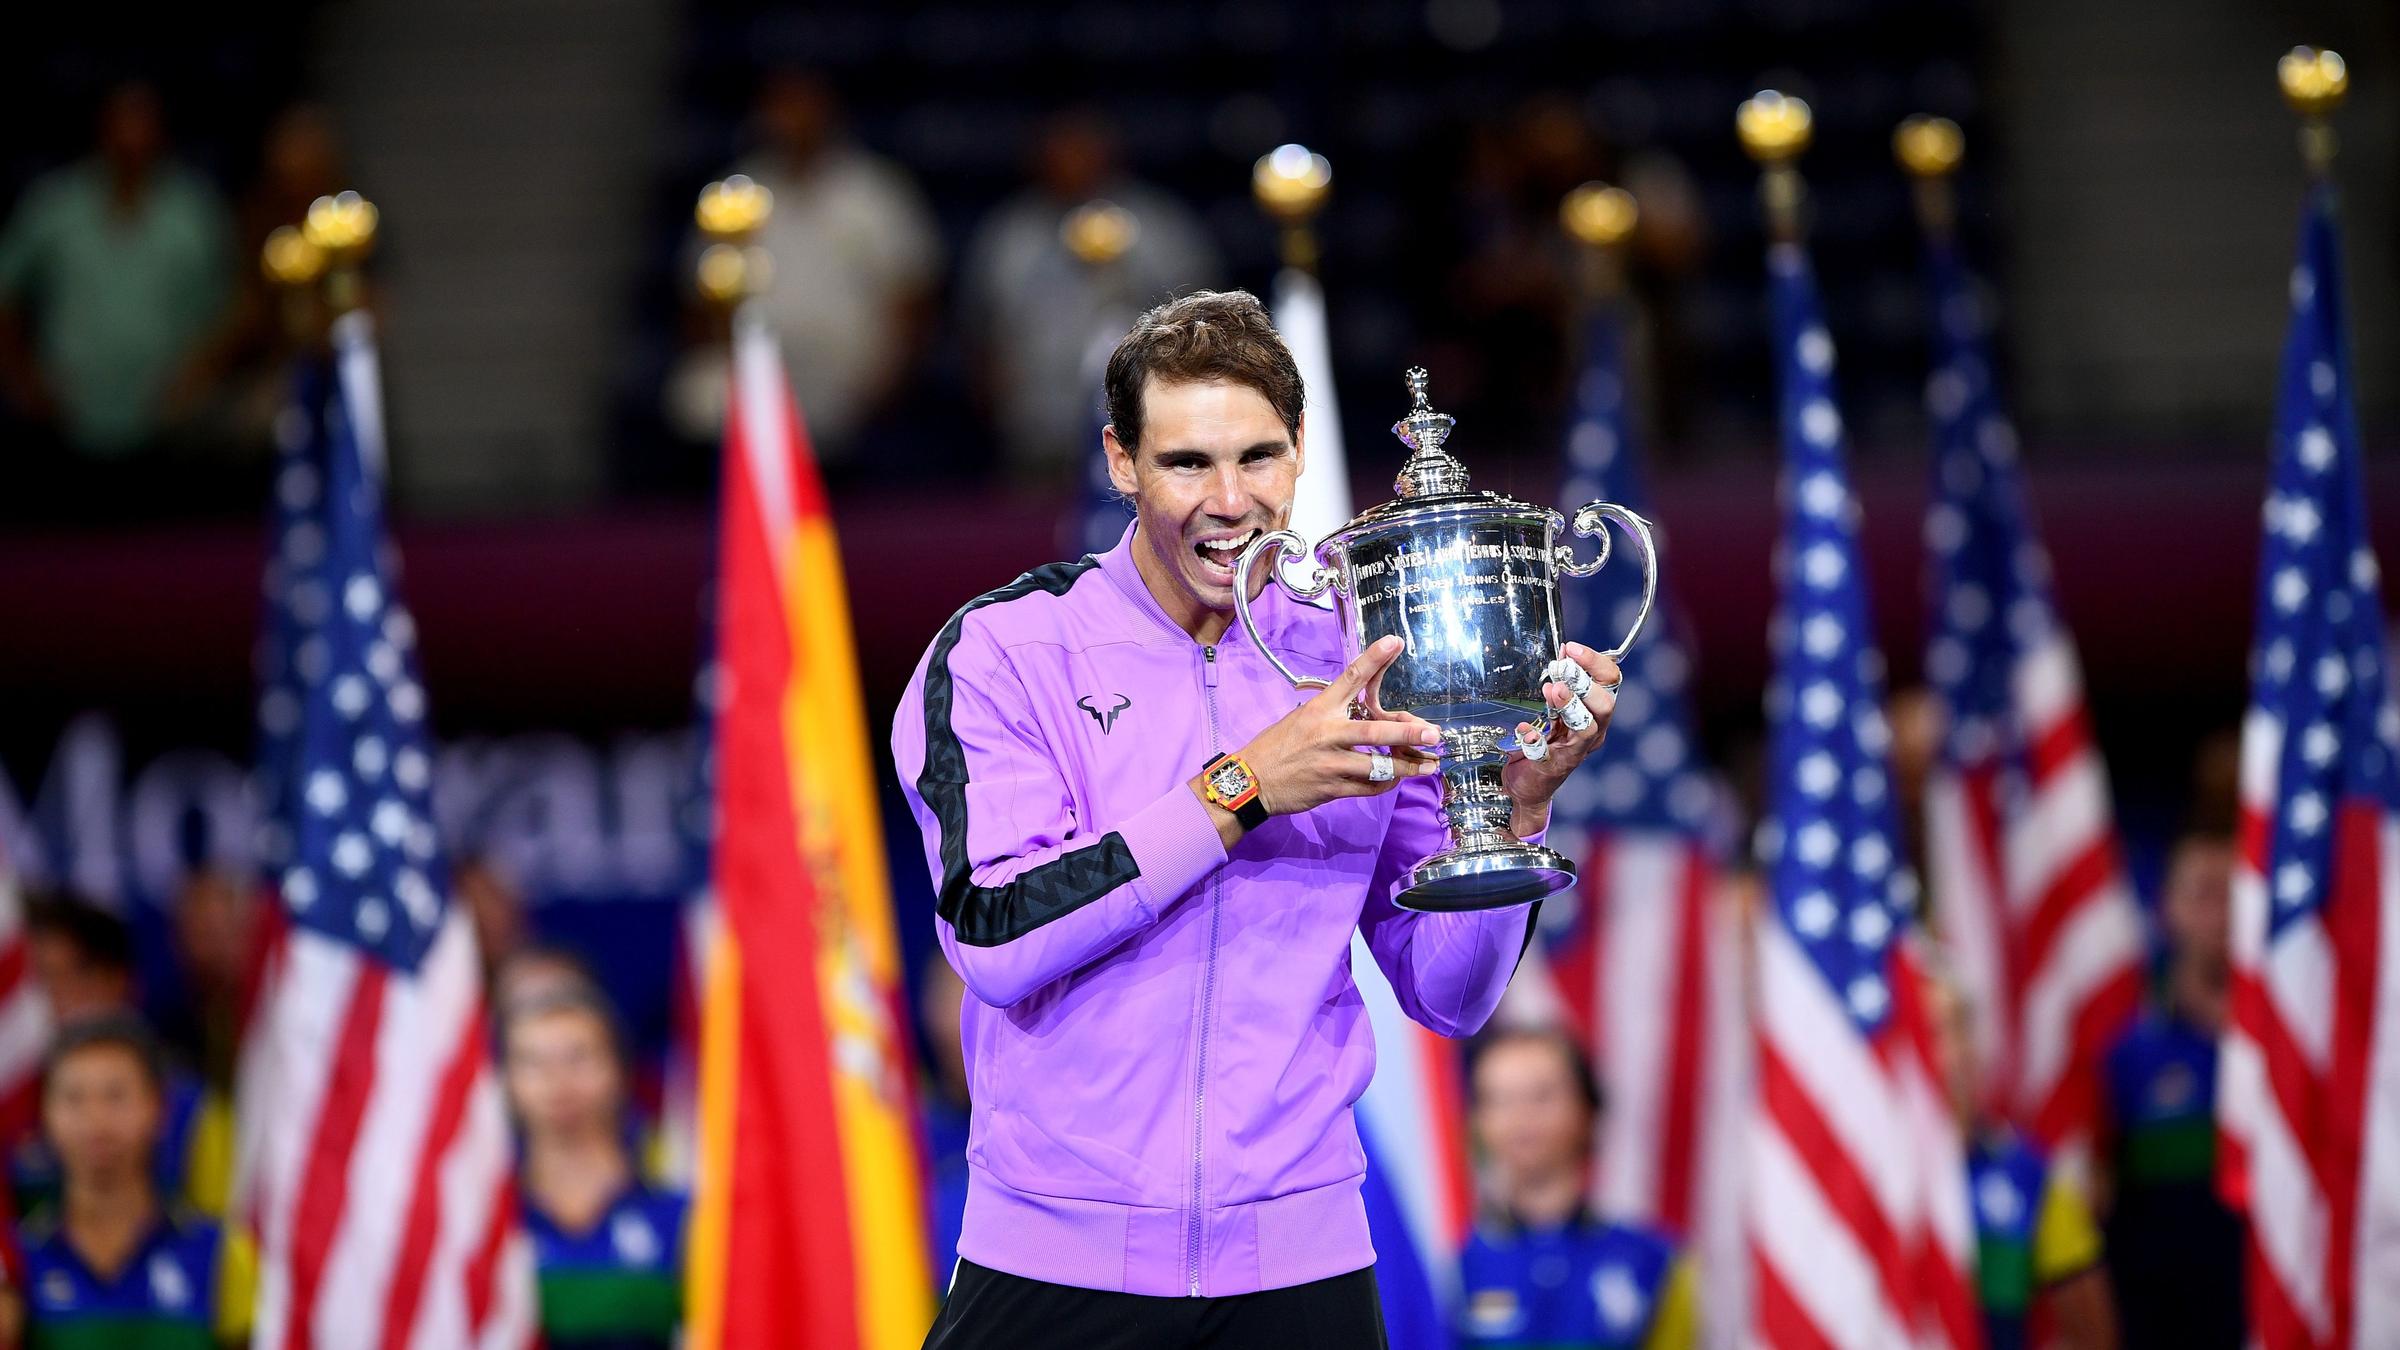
[{"x": 1208, "y": 998}]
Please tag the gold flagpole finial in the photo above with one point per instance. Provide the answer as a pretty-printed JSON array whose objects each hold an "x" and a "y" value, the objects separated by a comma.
[
  {"x": 1290, "y": 183},
  {"x": 731, "y": 213},
  {"x": 1930, "y": 149},
  {"x": 1099, "y": 232},
  {"x": 289, "y": 259},
  {"x": 1597, "y": 215},
  {"x": 1775, "y": 129},
  {"x": 2314, "y": 82},
  {"x": 341, "y": 228},
  {"x": 294, "y": 266},
  {"x": 1599, "y": 218}
]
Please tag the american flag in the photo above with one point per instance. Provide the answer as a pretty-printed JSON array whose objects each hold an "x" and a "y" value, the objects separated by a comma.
[
  {"x": 376, "y": 1153},
  {"x": 2041, "y": 927},
  {"x": 2309, "y": 1084},
  {"x": 1642, "y": 958},
  {"x": 24, "y": 1013},
  {"x": 1856, "y": 1180}
]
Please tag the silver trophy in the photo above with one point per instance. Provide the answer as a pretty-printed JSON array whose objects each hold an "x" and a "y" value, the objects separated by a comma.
[{"x": 1470, "y": 581}]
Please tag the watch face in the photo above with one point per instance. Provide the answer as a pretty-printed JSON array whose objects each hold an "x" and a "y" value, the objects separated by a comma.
[{"x": 1229, "y": 780}]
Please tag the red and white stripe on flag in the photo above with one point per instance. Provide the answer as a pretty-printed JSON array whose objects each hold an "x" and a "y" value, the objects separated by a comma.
[
  {"x": 24, "y": 1015},
  {"x": 1859, "y": 1224},
  {"x": 378, "y": 1155},
  {"x": 2041, "y": 928}
]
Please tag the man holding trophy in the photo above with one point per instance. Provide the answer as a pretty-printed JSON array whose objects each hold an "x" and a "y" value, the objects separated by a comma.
[{"x": 1151, "y": 853}]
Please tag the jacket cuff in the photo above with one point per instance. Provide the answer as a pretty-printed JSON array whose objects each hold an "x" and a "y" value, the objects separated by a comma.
[{"x": 1174, "y": 842}]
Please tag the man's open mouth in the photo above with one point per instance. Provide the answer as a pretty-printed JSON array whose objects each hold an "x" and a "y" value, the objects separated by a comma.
[{"x": 1224, "y": 553}]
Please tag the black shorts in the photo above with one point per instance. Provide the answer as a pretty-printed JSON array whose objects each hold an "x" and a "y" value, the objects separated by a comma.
[{"x": 987, "y": 1308}]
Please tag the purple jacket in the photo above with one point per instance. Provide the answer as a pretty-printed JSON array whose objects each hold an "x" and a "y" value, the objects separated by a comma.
[{"x": 1163, "y": 1041}]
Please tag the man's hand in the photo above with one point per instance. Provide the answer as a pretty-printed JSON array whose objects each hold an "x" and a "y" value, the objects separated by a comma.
[
  {"x": 1532, "y": 782},
  {"x": 1313, "y": 755}
]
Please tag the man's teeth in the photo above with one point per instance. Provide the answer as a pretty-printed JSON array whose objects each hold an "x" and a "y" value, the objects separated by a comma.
[{"x": 1229, "y": 547}]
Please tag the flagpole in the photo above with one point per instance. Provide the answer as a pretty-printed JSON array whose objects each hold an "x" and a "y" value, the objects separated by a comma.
[
  {"x": 1291, "y": 185},
  {"x": 1930, "y": 149},
  {"x": 1775, "y": 131},
  {"x": 2315, "y": 80},
  {"x": 1600, "y": 218}
]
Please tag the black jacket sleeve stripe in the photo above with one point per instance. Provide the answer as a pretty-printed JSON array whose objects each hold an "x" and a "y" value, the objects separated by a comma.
[{"x": 986, "y": 916}]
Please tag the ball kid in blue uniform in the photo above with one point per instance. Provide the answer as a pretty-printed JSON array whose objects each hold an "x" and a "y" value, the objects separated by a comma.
[
  {"x": 1542, "y": 1271},
  {"x": 113, "y": 1263},
  {"x": 2038, "y": 1273},
  {"x": 608, "y": 1250},
  {"x": 2178, "y": 1262}
]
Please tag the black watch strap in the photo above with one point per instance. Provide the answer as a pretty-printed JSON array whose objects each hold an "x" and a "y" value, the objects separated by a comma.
[{"x": 1250, "y": 814}]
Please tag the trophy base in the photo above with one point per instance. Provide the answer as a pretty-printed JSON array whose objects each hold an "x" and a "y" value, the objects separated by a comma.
[{"x": 1485, "y": 878}]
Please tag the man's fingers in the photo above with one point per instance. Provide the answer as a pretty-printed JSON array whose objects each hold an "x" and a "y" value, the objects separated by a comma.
[
  {"x": 1604, "y": 672},
  {"x": 1377, "y": 731},
  {"x": 1363, "y": 669}
]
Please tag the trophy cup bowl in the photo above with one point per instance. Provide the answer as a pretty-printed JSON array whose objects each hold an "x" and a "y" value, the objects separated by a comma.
[{"x": 1469, "y": 582}]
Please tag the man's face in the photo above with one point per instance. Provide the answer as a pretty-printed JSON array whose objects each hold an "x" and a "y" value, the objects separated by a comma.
[
  {"x": 1215, "y": 469},
  {"x": 1529, "y": 1113},
  {"x": 101, "y": 1112}
]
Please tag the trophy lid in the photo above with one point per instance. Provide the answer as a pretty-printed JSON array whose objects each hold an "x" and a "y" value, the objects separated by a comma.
[
  {"x": 1430, "y": 470},
  {"x": 1432, "y": 480}
]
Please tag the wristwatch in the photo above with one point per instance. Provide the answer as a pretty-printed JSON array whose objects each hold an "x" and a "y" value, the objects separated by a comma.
[{"x": 1228, "y": 782}]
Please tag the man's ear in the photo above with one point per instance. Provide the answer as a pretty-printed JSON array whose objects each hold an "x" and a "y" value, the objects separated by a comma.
[
  {"x": 1300, "y": 447},
  {"x": 1120, "y": 460}
]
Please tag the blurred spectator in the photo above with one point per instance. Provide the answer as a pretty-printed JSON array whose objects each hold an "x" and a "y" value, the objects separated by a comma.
[
  {"x": 1918, "y": 725},
  {"x": 115, "y": 1264},
  {"x": 1541, "y": 1269},
  {"x": 532, "y": 974},
  {"x": 2037, "y": 1252},
  {"x": 112, "y": 271},
  {"x": 856, "y": 260},
  {"x": 495, "y": 905},
  {"x": 1040, "y": 320},
  {"x": 1514, "y": 279},
  {"x": 2178, "y": 1262},
  {"x": 215, "y": 916},
  {"x": 939, "y": 995},
  {"x": 239, "y": 378},
  {"x": 608, "y": 1249},
  {"x": 81, "y": 957}
]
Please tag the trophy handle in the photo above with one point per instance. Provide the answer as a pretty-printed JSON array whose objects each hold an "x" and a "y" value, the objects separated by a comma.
[
  {"x": 1589, "y": 522},
  {"x": 1293, "y": 545}
]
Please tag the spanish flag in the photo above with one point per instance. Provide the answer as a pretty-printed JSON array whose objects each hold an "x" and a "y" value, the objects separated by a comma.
[{"x": 807, "y": 1220}]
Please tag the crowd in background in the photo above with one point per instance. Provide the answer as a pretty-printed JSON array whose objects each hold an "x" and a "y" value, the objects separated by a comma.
[{"x": 143, "y": 354}]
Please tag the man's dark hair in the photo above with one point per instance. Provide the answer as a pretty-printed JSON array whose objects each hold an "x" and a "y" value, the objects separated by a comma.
[
  {"x": 1207, "y": 335},
  {"x": 99, "y": 937},
  {"x": 1579, "y": 1065},
  {"x": 121, "y": 1030}
]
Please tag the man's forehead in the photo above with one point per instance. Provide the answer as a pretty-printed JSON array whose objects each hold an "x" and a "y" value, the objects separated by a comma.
[{"x": 1201, "y": 414}]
